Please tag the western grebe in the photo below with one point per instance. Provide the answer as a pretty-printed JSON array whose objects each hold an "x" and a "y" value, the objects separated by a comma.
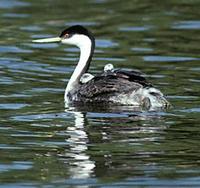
[{"x": 112, "y": 86}]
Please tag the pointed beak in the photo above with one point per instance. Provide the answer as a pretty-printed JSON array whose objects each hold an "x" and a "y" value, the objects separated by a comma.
[{"x": 55, "y": 39}]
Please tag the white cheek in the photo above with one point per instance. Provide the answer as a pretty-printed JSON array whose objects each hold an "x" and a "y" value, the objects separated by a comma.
[
  {"x": 78, "y": 40},
  {"x": 67, "y": 41}
]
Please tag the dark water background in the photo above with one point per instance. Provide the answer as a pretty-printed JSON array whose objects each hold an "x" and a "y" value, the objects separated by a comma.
[{"x": 42, "y": 144}]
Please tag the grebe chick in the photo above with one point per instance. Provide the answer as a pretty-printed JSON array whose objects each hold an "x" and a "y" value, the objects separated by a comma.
[
  {"x": 86, "y": 78},
  {"x": 108, "y": 67}
]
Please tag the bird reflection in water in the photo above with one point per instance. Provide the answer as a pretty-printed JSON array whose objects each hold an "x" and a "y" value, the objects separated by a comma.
[{"x": 132, "y": 128}]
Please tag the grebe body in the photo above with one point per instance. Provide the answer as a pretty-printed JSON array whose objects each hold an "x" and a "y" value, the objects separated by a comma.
[{"x": 112, "y": 86}]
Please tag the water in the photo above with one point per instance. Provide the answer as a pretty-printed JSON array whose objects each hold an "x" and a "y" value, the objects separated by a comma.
[{"x": 42, "y": 144}]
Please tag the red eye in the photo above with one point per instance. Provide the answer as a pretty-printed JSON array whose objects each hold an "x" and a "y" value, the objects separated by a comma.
[{"x": 66, "y": 35}]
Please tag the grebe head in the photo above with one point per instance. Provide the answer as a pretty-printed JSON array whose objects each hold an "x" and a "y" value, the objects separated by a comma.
[{"x": 75, "y": 35}]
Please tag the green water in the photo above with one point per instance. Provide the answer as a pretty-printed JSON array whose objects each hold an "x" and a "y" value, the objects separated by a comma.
[{"x": 42, "y": 144}]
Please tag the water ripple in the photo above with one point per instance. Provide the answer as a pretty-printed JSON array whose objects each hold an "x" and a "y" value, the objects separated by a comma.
[
  {"x": 157, "y": 58},
  {"x": 12, "y": 3},
  {"x": 105, "y": 43},
  {"x": 17, "y": 165},
  {"x": 136, "y": 28},
  {"x": 15, "y": 15},
  {"x": 189, "y": 25},
  {"x": 191, "y": 110},
  {"x": 13, "y": 49},
  {"x": 12, "y": 106}
]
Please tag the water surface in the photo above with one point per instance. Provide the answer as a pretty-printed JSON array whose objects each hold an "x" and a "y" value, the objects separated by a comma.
[{"x": 44, "y": 144}]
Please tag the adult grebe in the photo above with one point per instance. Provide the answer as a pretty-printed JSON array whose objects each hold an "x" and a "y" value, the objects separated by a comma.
[{"x": 112, "y": 86}]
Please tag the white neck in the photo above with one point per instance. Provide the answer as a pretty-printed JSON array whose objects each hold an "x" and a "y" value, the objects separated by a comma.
[{"x": 85, "y": 44}]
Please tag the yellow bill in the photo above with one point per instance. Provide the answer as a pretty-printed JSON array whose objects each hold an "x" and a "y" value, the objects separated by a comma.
[{"x": 54, "y": 39}]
